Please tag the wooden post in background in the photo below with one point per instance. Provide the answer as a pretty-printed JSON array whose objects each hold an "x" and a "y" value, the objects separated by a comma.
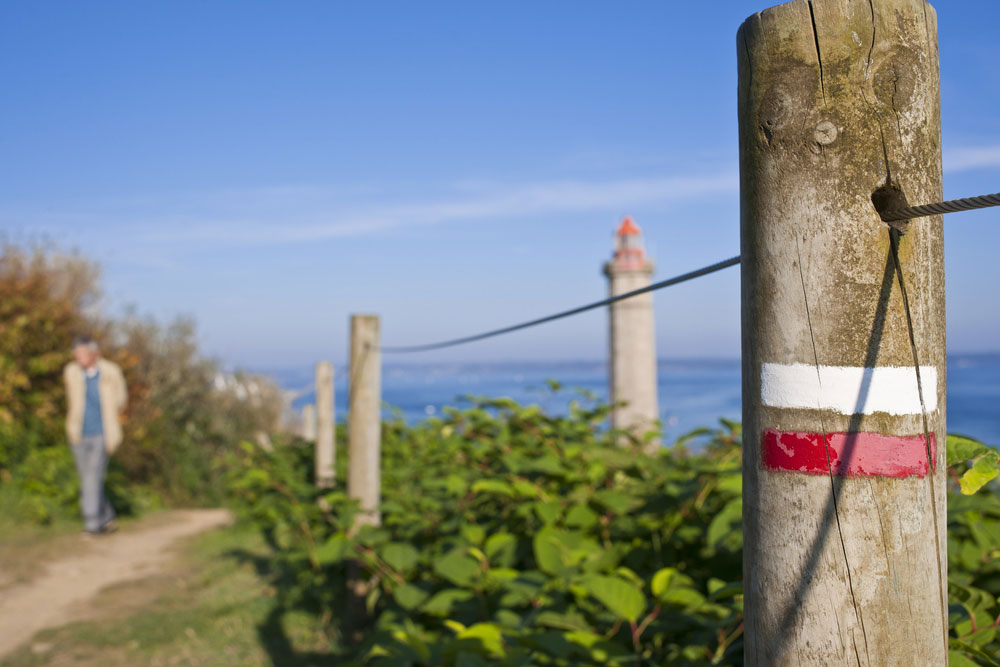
[
  {"x": 632, "y": 340},
  {"x": 308, "y": 431},
  {"x": 843, "y": 371},
  {"x": 364, "y": 422},
  {"x": 325, "y": 446}
]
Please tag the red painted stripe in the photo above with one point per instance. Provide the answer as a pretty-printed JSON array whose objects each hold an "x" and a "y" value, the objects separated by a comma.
[{"x": 851, "y": 454}]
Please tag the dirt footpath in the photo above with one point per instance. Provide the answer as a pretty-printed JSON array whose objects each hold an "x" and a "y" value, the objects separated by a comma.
[{"x": 57, "y": 595}]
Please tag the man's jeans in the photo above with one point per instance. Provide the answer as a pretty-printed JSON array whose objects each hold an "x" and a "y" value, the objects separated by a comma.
[{"x": 91, "y": 465}]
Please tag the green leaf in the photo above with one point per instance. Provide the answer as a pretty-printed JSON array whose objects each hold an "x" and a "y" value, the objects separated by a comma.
[
  {"x": 958, "y": 659},
  {"x": 691, "y": 435},
  {"x": 581, "y": 516},
  {"x": 548, "y": 464},
  {"x": 984, "y": 468},
  {"x": 455, "y": 485},
  {"x": 474, "y": 533},
  {"x": 623, "y": 598},
  {"x": 500, "y": 549},
  {"x": 333, "y": 550},
  {"x": 984, "y": 658},
  {"x": 443, "y": 602},
  {"x": 571, "y": 620},
  {"x": 735, "y": 427},
  {"x": 626, "y": 573},
  {"x": 400, "y": 556},
  {"x": 548, "y": 512},
  {"x": 725, "y": 522},
  {"x": 722, "y": 590},
  {"x": 409, "y": 596},
  {"x": 731, "y": 483},
  {"x": 526, "y": 489},
  {"x": 487, "y": 638},
  {"x": 687, "y": 598},
  {"x": 558, "y": 551},
  {"x": 457, "y": 567},
  {"x": 960, "y": 449},
  {"x": 661, "y": 581},
  {"x": 548, "y": 552},
  {"x": 616, "y": 501},
  {"x": 494, "y": 486}
]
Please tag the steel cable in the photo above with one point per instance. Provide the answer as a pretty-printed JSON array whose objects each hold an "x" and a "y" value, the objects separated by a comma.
[
  {"x": 937, "y": 208},
  {"x": 733, "y": 261}
]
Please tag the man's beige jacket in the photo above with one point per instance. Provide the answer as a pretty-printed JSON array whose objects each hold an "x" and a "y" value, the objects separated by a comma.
[{"x": 114, "y": 396}]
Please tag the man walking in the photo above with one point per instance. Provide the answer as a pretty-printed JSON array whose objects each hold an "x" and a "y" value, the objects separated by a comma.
[{"x": 96, "y": 395}]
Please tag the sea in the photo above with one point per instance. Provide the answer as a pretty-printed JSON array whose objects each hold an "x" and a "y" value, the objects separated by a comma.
[{"x": 693, "y": 393}]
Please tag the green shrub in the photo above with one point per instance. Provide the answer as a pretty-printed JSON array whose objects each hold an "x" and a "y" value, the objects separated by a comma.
[
  {"x": 510, "y": 536},
  {"x": 47, "y": 484},
  {"x": 47, "y": 487},
  {"x": 178, "y": 423}
]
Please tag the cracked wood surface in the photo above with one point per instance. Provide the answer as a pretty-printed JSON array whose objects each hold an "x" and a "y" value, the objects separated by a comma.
[{"x": 838, "y": 98}]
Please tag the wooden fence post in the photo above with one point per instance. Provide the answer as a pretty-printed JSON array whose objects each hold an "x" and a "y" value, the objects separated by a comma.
[
  {"x": 308, "y": 431},
  {"x": 325, "y": 445},
  {"x": 843, "y": 336},
  {"x": 632, "y": 363},
  {"x": 364, "y": 423}
]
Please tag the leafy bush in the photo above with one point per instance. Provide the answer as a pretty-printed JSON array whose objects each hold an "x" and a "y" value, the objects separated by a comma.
[
  {"x": 973, "y": 554},
  {"x": 47, "y": 483},
  {"x": 44, "y": 300},
  {"x": 179, "y": 421},
  {"x": 510, "y": 536},
  {"x": 48, "y": 487}
]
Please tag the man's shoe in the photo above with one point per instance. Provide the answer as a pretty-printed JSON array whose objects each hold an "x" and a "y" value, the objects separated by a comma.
[{"x": 110, "y": 527}]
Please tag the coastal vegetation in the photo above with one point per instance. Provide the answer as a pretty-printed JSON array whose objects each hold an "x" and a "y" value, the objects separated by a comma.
[
  {"x": 178, "y": 422},
  {"x": 508, "y": 535}
]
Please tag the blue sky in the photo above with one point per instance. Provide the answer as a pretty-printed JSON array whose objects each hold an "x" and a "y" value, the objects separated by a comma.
[{"x": 270, "y": 168}]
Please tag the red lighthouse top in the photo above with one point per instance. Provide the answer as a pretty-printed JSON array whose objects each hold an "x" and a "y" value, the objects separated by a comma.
[
  {"x": 628, "y": 228},
  {"x": 629, "y": 253}
]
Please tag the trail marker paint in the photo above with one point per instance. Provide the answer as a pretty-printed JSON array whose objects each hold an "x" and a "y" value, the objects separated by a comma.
[
  {"x": 848, "y": 389},
  {"x": 850, "y": 454}
]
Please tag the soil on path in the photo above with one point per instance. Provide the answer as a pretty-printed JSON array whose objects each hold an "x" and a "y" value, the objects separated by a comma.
[{"x": 58, "y": 594}]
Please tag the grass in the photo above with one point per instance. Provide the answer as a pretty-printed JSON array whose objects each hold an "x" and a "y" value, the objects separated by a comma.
[
  {"x": 25, "y": 546},
  {"x": 215, "y": 607}
]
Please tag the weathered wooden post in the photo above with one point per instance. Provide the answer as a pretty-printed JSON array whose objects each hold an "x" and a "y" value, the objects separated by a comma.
[
  {"x": 364, "y": 422},
  {"x": 308, "y": 431},
  {"x": 843, "y": 336},
  {"x": 632, "y": 362},
  {"x": 325, "y": 446}
]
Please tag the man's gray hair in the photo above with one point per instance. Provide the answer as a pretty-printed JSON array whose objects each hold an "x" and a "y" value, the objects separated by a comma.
[{"x": 86, "y": 341}]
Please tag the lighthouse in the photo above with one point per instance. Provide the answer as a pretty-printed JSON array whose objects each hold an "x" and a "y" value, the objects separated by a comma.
[{"x": 632, "y": 340}]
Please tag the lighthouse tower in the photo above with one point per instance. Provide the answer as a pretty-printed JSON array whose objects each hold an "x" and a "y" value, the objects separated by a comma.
[{"x": 633, "y": 343}]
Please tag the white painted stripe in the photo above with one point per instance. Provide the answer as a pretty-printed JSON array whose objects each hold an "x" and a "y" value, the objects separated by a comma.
[{"x": 848, "y": 389}]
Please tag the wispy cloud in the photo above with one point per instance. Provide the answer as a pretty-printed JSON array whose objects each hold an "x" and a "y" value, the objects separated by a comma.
[
  {"x": 967, "y": 159},
  {"x": 328, "y": 220}
]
